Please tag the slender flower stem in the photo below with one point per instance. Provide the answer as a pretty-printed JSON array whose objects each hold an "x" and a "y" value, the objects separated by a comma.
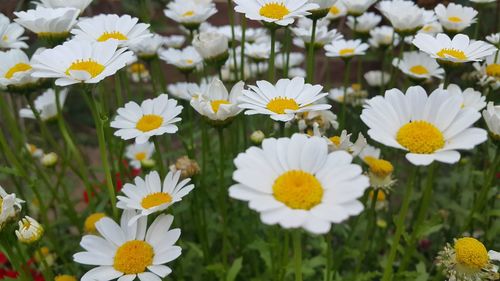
[
  {"x": 272, "y": 71},
  {"x": 243, "y": 39},
  {"x": 400, "y": 227},
  {"x": 159, "y": 159},
  {"x": 328, "y": 271},
  {"x": 347, "y": 75},
  {"x": 310, "y": 54},
  {"x": 371, "y": 224},
  {"x": 222, "y": 196},
  {"x": 297, "y": 249},
  {"x": 233, "y": 38}
]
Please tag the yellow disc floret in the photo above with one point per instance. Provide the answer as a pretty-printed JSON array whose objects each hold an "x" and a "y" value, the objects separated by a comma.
[
  {"x": 298, "y": 190},
  {"x": 274, "y": 10},
  {"x": 379, "y": 167},
  {"x": 455, "y": 19},
  {"x": 133, "y": 257},
  {"x": 420, "y": 137},
  {"x": 89, "y": 225},
  {"x": 471, "y": 253},
  {"x": 346, "y": 52},
  {"x": 149, "y": 122},
  {"x": 279, "y": 105},
  {"x": 112, "y": 35},
  {"x": 335, "y": 140},
  {"x": 90, "y": 66},
  {"x": 216, "y": 104},
  {"x": 493, "y": 70},
  {"x": 188, "y": 14},
  {"x": 419, "y": 70},
  {"x": 65, "y": 278},
  {"x": 155, "y": 199},
  {"x": 334, "y": 10},
  {"x": 20, "y": 67},
  {"x": 454, "y": 53}
]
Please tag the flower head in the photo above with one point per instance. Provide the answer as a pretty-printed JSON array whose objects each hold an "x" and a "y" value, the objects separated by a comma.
[
  {"x": 91, "y": 220},
  {"x": 16, "y": 69},
  {"x": 382, "y": 36},
  {"x": 405, "y": 16},
  {"x": 10, "y": 206},
  {"x": 323, "y": 35},
  {"x": 491, "y": 116},
  {"x": 186, "y": 91},
  {"x": 77, "y": 4},
  {"x": 11, "y": 34},
  {"x": 48, "y": 22},
  {"x": 29, "y": 230},
  {"x": 46, "y": 105},
  {"x": 212, "y": 46},
  {"x": 419, "y": 66},
  {"x": 346, "y": 48},
  {"x": 190, "y": 13},
  {"x": 470, "y": 98},
  {"x": 137, "y": 153},
  {"x": 188, "y": 167},
  {"x": 336, "y": 11},
  {"x": 455, "y": 17},
  {"x": 357, "y": 7},
  {"x": 147, "y": 48},
  {"x": 377, "y": 78},
  {"x": 186, "y": 60},
  {"x": 279, "y": 12},
  {"x": 364, "y": 23}
]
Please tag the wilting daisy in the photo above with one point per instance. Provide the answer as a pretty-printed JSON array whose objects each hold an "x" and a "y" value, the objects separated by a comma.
[
  {"x": 457, "y": 50},
  {"x": 127, "y": 251},
  {"x": 336, "y": 11},
  {"x": 355, "y": 95},
  {"x": 11, "y": 34},
  {"x": 124, "y": 29},
  {"x": 279, "y": 12},
  {"x": 283, "y": 100},
  {"x": 16, "y": 69},
  {"x": 319, "y": 121},
  {"x": 419, "y": 66},
  {"x": 494, "y": 38},
  {"x": 174, "y": 41},
  {"x": 186, "y": 91},
  {"x": 77, "y": 4},
  {"x": 364, "y": 23},
  {"x": 147, "y": 48},
  {"x": 357, "y": 7},
  {"x": 187, "y": 167},
  {"x": 467, "y": 260},
  {"x": 405, "y": 16},
  {"x": 150, "y": 195},
  {"x": 377, "y": 78},
  {"x": 185, "y": 60},
  {"x": 343, "y": 142},
  {"x": 491, "y": 116},
  {"x": 154, "y": 117},
  {"x": 431, "y": 128},
  {"x": 470, "y": 98},
  {"x": 46, "y": 105},
  {"x": 78, "y": 61},
  {"x": 455, "y": 17},
  {"x": 380, "y": 170},
  {"x": 189, "y": 13},
  {"x": 136, "y": 153},
  {"x": 346, "y": 48},
  {"x": 10, "y": 206},
  {"x": 323, "y": 36},
  {"x": 29, "y": 230},
  {"x": 47, "y": 22},
  {"x": 311, "y": 190},
  {"x": 382, "y": 36},
  {"x": 216, "y": 104}
]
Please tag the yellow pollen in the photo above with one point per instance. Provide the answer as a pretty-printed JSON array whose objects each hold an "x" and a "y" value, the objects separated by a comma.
[
  {"x": 379, "y": 167},
  {"x": 493, "y": 70},
  {"x": 471, "y": 253},
  {"x": 335, "y": 140},
  {"x": 380, "y": 195},
  {"x": 454, "y": 53},
  {"x": 356, "y": 87},
  {"x": 346, "y": 52},
  {"x": 274, "y": 10},
  {"x": 32, "y": 148},
  {"x": 298, "y": 190},
  {"x": 280, "y": 105},
  {"x": 20, "y": 67},
  {"x": 188, "y": 14},
  {"x": 89, "y": 225},
  {"x": 112, "y": 35},
  {"x": 427, "y": 28},
  {"x": 90, "y": 66},
  {"x": 137, "y": 68},
  {"x": 334, "y": 10},
  {"x": 133, "y": 257},
  {"x": 216, "y": 104},
  {"x": 140, "y": 156},
  {"x": 455, "y": 19},
  {"x": 64, "y": 278},
  {"x": 149, "y": 122},
  {"x": 420, "y": 137},
  {"x": 419, "y": 70},
  {"x": 155, "y": 199},
  {"x": 5, "y": 38},
  {"x": 189, "y": 61}
]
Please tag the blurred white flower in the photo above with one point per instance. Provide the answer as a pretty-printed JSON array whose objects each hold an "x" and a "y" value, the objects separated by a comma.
[{"x": 45, "y": 104}]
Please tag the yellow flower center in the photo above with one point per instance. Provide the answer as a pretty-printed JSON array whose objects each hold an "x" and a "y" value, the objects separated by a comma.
[
  {"x": 5, "y": 38},
  {"x": 455, "y": 19},
  {"x": 216, "y": 104},
  {"x": 140, "y": 156},
  {"x": 133, "y": 257},
  {"x": 493, "y": 70},
  {"x": 112, "y": 35},
  {"x": 419, "y": 70},
  {"x": 64, "y": 278},
  {"x": 334, "y": 10},
  {"x": 380, "y": 195},
  {"x": 188, "y": 14},
  {"x": 335, "y": 140},
  {"x": 89, "y": 225},
  {"x": 20, "y": 67},
  {"x": 149, "y": 122},
  {"x": 298, "y": 190},
  {"x": 1, "y": 202},
  {"x": 427, "y": 28},
  {"x": 471, "y": 253},
  {"x": 155, "y": 199},
  {"x": 189, "y": 61},
  {"x": 379, "y": 167},
  {"x": 280, "y": 105},
  {"x": 90, "y": 66},
  {"x": 454, "y": 53},
  {"x": 274, "y": 10},
  {"x": 356, "y": 87},
  {"x": 346, "y": 52},
  {"x": 420, "y": 137},
  {"x": 137, "y": 68},
  {"x": 32, "y": 148}
]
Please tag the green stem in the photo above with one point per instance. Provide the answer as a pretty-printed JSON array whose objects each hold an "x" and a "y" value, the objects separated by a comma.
[
  {"x": 233, "y": 41},
  {"x": 310, "y": 54},
  {"x": 297, "y": 249},
  {"x": 329, "y": 242},
  {"x": 243, "y": 38},
  {"x": 347, "y": 75},
  {"x": 222, "y": 196},
  {"x": 159, "y": 159},
  {"x": 371, "y": 224},
  {"x": 273, "y": 54}
]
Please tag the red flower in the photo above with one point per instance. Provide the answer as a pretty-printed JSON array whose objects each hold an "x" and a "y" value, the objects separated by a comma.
[{"x": 3, "y": 258}]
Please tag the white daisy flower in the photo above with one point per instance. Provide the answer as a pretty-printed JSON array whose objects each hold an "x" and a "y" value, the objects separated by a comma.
[
  {"x": 136, "y": 153},
  {"x": 419, "y": 66},
  {"x": 123, "y": 29},
  {"x": 380, "y": 170},
  {"x": 149, "y": 195},
  {"x": 296, "y": 183},
  {"x": 323, "y": 4},
  {"x": 189, "y": 13},
  {"x": 431, "y": 128},
  {"x": 34, "y": 151},
  {"x": 154, "y": 117},
  {"x": 128, "y": 251},
  {"x": 296, "y": 72},
  {"x": 216, "y": 104},
  {"x": 455, "y": 17},
  {"x": 186, "y": 91},
  {"x": 489, "y": 71},
  {"x": 138, "y": 72},
  {"x": 77, "y": 4},
  {"x": 319, "y": 121},
  {"x": 405, "y": 16},
  {"x": 323, "y": 36},
  {"x": 15, "y": 69},
  {"x": 211, "y": 46},
  {"x": 251, "y": 34},
  {"x": 433, "y": 27},
  {"x": 491, "y": 116},
  {"x": 48, "y": 22},
  {"x": 457, "y": 50},
  {"x": 11, "y": 34},
  {"x": 279, "y": 12},
  {"x": 185, "y": 60},
  {"x": 10, "y": 206},
  {"x": 375, "y": 78},
  {"x": 346, "y": 48},
  {"x": 259, "y": 51},
  {"x": 470, "y": 98},
  {"x": 283, "y": 100},
  {"x": 381, "y": 36},
  {"x": 295, "y": 59},
  {"x": 174, "y": 41},
  {"x": 364, "y": 23},
  {"x": 147, "y": 47},
  {"x": 336, "y": 11},
  {"x": 494, "y": 38},
  {"x": 343, "y": 142},
  {"x": 482, "y": 1},
  {"x": 46, "y": 105},
  {"x": 29, "y": 230},
  {"x": 355, "y": 95},
  {"x": 78, "y": 61},
  {"x": 357, "y": 7}
]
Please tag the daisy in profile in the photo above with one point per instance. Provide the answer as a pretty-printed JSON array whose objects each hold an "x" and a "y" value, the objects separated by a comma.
[
  {"x": 46, "y": 105},
  {"x": 77, "y": 4},
  {"x": 10, "y": 206},
  {"x": 78, "y": 61},
  {"x": 190, "y": 13},
  {"x": 431, "y": 128},
  {"x": 123, "y": 29},
  {"x": 186, "y": 91},
  {"x": 296, "y": 183},
  {"x": 405, "y": 16},
  {"x": 494, "y": 39},
  {"x": 16, "y": 70},
  {"x": 186, "y": 60},
  {"x": 11, "y": 34},
  {"x": 29, "y": 230},
  {"x": 316, "y": 122},
  {"x": 470, "y": 98},
  {"x": 259, "y": 52},
  {"x": 382, "y": 37},
  {"x": 357, "y": 7},
  {"x": 379, "y": 170},
  {"x": 344, "y": 143},
  {"x": 323, "y": 35},
  {"x": 216, "y": 104},
  {"x": 147, "y": 48},
  {"x": 491, "y": 116},
  {"x": 174, "y": 41},
  {"x": 489, "y": 71},
  {"x": 346, "y": 48},
  {"x": 364, "y": 23},
  {"x": 137, "y": 153},
  {"x": 149, "y": 196},
  {"x": 48, "y": 23},
  {"x": 460, "y": 49},
  {"x": 418, "y": 66},
  {"x": 432, "y": 28},
  {"x": 251, "y": 34},
  {"x": 377, "y": 78},
  {"x": 455, "y": 17},
  {"x": 130, "y": 250},
  {"x": 279, "y": 12},
  {"x": 283, "y": 100},
  {"x": 322, "y": 10},
  {"x": 154, "y": 117},
  {"x": 355, "y": 95},
  {"x": 336, "y": 11}
]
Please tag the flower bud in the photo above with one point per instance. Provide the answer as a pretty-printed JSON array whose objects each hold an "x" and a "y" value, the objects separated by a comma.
[
  {"x": 49, "y": 159},
  {"x": 257, "y": 137},
  {"x": 90, "y": 221},
  {"x": 213, "y": 47},
  {"x": 188, "y": 167},
  {"x": 29, "y": 230}
]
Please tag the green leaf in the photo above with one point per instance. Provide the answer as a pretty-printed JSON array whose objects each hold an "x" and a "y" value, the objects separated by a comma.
[{"x": 235, "y": 269}]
